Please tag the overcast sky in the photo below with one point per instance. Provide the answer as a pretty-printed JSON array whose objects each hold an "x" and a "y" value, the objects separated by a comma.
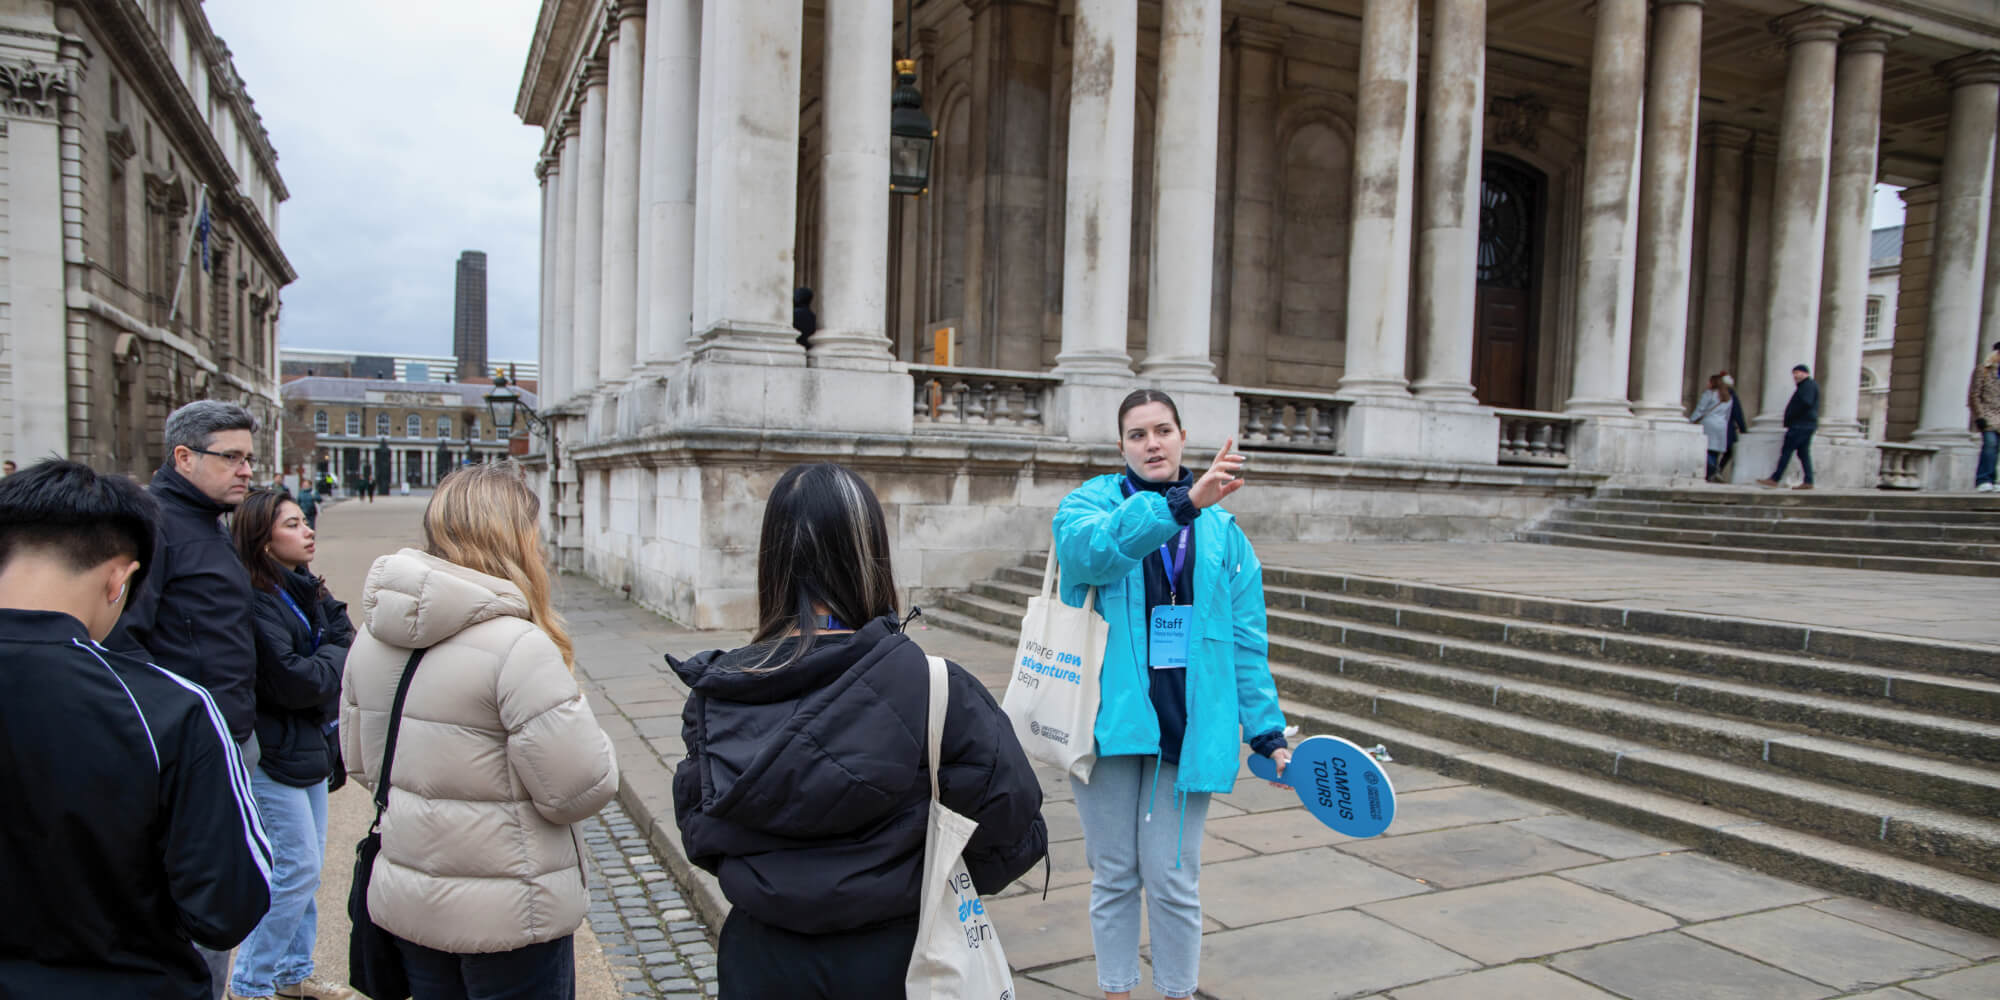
[{"x": 395, "y": 130}]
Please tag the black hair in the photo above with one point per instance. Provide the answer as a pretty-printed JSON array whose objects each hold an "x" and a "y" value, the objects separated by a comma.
[
  {"x": 66, "y": 509},
  {"x": 824, "y": 542},
  {"x": 1140, "y": 397},
  {"x": 250, "y": 530},
  {"x": 1802, "y": 368}
]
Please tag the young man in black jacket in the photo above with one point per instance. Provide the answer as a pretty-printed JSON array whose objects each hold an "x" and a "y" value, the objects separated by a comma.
[
  {"x": 1801, "y": 420},
  {"x": 131, "y": 835}
]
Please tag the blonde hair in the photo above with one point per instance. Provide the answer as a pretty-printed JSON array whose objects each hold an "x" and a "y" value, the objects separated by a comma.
[{"x": 483, "y": 518}]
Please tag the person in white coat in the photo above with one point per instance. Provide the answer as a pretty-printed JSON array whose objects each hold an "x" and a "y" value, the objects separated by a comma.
[
  {"x": 1711, "y": 411},
  {"x": 481, "y": 875}
]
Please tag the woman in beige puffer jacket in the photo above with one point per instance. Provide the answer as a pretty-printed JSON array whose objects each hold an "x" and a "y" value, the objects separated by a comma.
[{"x": 498, "y": 754}]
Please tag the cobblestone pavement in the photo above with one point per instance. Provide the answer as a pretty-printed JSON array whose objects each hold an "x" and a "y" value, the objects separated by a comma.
[{"x": 656, "y": 944}]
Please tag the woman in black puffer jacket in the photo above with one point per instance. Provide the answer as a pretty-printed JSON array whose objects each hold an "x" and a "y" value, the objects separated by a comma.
[
  {"x": 302, "y": 640},
  {"x": 804, "y": 789}
]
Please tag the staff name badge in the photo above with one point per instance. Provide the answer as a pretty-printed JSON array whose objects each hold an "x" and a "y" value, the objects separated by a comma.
[{"x": 1167, "y": 632}]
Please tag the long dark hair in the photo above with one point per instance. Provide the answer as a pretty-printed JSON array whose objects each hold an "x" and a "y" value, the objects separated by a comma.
[
  {"x": 250, "y": 529},
  {"x": 824, "y": 542},
  {"x": 1140, "y": 397}
]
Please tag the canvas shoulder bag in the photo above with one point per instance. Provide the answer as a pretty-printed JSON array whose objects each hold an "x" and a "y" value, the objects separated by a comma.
[
  {"x": 957, "y": 956},
  {"x": 374, "y": 965},
  {"x": 1052, "y": 696}
]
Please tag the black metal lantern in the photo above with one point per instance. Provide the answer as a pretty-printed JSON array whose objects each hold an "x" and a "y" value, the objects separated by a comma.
[
  {"x": 911, "y": 137},
  {"x": 503, "y": 403}
]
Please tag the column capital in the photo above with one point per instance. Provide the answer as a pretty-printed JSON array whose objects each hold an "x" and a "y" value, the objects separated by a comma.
[
  {"x": 1813, "y": 24},
  {"x": 1728, "y": 136},
  {"x": 1971, "y": 68},
  {"x": 1257, "y": 33},
  {"x": 1658, "y": 4},
  {"x": 596, "y": 73},
  {"x": 1872, "y": 35},
  {"x": 543, "y": 168},
  {"x": 571, "y": 125},
  {"x": 978, "y": 7},
  {"x": 619, "y": 10}
]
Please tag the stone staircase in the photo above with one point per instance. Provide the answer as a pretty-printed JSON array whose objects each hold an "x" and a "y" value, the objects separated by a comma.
[
  {"x": 1857, "y": 762},
  {"x": 1924, "y": 533}
]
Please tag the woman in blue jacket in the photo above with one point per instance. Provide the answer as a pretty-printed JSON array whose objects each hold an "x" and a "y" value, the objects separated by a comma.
[{"x": 1185, "y": 678}]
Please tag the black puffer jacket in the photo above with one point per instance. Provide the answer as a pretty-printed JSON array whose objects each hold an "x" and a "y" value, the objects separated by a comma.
[
  {"x": 298, "y": 680},
  {"x": 805, "y": 789}
]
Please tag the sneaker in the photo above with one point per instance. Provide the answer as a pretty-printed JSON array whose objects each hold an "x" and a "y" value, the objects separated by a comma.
[
  {"x": 1767, "y": 482},
  {"x": 315, "y": 988},
  {"x": 1989, "y": 487},
  {"x": 1803, "y": 486}
]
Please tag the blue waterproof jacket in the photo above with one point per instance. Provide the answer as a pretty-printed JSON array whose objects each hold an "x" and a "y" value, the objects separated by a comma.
[{"x": 1102, "y": 539}]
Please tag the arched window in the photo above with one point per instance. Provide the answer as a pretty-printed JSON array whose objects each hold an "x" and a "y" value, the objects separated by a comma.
[
  {"x": 381, "y": 424},
  {"x": 413, "y": 426},
  {"x": 320, "y": 423},
  {"x": 444, "y": 427},
  {"x": 353, "y": 424}
]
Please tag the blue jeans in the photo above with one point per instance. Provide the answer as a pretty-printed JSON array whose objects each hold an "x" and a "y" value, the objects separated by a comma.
[
  {"x": 1797, "y": 439},
  {"x": 280, "y": 951},
  {"x": 545, "y": 971},
  {"x": 1989, "y": 455},
  {"x": 1134, "y": 837}
]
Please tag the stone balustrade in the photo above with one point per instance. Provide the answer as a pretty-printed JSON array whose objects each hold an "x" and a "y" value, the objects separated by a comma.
[
  {"x": 1292, "y": 421},
  {"x": 979, "y": 399},
  {"x": 1531, "y": 437},
  {"x": 1903, "y": 466}
]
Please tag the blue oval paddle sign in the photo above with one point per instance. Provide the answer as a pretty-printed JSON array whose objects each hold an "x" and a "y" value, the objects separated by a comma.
[{"x": 1340, "y": 784}]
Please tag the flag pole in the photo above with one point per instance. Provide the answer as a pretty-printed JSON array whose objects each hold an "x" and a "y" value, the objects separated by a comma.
[{"x": 187, "y": 247}]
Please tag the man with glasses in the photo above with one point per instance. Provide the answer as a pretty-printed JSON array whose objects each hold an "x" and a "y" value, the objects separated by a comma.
[{"x": 192, "y": 614}]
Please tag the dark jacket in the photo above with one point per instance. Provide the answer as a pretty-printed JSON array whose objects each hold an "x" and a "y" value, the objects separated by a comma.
[
  {"x": 298, "y": 679},
  {"x": 805, "y": 790},
  {"x": 1803, "y": 409},
  {"x": 130, "y": 828},
  {"x": 191, "y": 615},
  {"x": 803, "y": 319},
  {"x": 1737, "y": 425}
]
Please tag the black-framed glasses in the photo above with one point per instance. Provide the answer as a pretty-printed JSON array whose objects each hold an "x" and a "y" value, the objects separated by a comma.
[{"x": 234, "y": 458}]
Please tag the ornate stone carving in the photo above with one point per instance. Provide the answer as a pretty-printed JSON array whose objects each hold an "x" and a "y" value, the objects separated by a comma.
[
  {"x": 118, "y": 141},
  {"x": 33, "y": 90},
  {"x": 1520, "y": 120},
  {"x": 164, "y": 193}
]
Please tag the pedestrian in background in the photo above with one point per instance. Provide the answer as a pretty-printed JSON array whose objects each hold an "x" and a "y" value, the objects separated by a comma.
[
  {"x": 1175, "y": 704},
  {"x": 1801, "y": 420},
  {"x": 309, "y": 504},
  {"x": 480, "y": 876},
  {"x": 805, "y": 789},
  {"x": 1711, "y": 411},
  {"x": 1983, "y": 398},
  {"x": 803, "y": 319},
  {"x": 7, "y": 469},
  {"x": 302, "y": 640},
  {"x": 1737, "y": 426},
  {"x": 131, "y": 837},
  {"x": 192, "y": 614}
]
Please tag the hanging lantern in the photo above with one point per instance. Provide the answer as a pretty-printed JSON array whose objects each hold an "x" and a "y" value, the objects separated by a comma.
[{"x": 911, "y": 138}]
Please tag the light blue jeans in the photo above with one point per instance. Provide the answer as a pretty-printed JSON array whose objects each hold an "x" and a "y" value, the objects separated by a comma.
[
  {"x": 280, "y": 951},
  {"x": 1136, "y": 835}
]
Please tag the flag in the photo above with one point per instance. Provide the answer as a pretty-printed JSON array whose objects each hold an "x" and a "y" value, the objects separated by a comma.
[{"x": 201, "y": 230}]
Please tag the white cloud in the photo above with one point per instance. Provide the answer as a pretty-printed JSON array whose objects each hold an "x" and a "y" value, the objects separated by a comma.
[{"x": 396, "y": 136}]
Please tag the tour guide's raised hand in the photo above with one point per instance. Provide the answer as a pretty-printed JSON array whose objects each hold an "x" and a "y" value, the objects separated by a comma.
[{"x": 1224, "y": 476}]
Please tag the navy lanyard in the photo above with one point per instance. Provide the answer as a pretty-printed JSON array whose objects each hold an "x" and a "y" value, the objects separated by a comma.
[
  {"x": 294, "y": 605},
  {"x": 1172, "y": 562}
]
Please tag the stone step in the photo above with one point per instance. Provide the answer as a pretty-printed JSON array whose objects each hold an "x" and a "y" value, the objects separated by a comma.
[
  {"x": 1940, "y": 894},
  {"x": 1760, "y": 537},
  {"x": 997, "y": 615},
  {"x": 1007, "y": 592},
  {"x": 1987, "y": 534},
  {"x": 1619, "y": 652},
  {"x": 1844, "y": 645},
  {"x": 1958, "y": 785},
  {"x": 1772, "y": 513},
  {"x": 941, "y": 616},
  {"x": 1955, "y": 567},
  {"x": 1764, "y": 497}
]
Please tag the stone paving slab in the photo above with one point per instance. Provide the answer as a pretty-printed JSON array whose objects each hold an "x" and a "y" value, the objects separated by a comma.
[
  {"x": 1507, "y": 982},
  {"x": 1692, "y": 886},
  {"x": 1673, "y": 966},
  {"x": 1331, "y": 955},
  {"x": 1827, "y": 949},
  {"x": 1468, "y": 855},
  {"x": 1982, "y": 983}
]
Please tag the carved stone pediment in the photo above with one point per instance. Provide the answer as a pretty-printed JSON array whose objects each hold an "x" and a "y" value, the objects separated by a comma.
[
  {"x": 166, "y": 193},
  {"x": 118, "y": 142},
  {"x": 34, "y": 90}
]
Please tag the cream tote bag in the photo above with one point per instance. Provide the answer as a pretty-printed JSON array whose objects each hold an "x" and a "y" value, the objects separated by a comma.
[
  {"x": 958, "y": 954},
  {"x": 1052, "y": 696}
]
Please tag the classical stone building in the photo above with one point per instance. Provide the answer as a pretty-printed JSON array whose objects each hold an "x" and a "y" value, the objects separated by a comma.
[
  {"x": 417, "y": 431},
  {"x": 1442, "y": 264},
  {"x": 119, "y": 122}
]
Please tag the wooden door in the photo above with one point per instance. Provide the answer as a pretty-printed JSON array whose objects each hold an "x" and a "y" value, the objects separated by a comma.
[{"x": 1504, "y": 321}]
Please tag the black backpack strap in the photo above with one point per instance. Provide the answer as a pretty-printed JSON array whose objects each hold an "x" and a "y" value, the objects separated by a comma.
[{"x": 389, "y": 745}]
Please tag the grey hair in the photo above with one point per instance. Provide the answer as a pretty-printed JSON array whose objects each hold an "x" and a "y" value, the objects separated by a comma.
[{"x": 197, "y": 423}]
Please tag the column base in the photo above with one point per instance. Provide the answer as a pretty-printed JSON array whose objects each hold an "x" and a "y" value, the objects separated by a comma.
[
  {"x": 1094, "y": 365},
  {"x": 1421, "y": 430},
  {"x": 1584, "y": 406},
  {"x": 1377, "y": 386},
  {"x": 720, "y": 392},
  {"x": 1445, "y": 392},
  {"x": 737, "y": 342},
  {"x": 856, "y": 349},
  {"x": 1638, "y": 450},
  {"x": 1172, "y": 371}
]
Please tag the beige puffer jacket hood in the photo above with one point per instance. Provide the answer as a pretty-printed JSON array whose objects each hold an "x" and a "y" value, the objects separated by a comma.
[{"x": 498, "y": 754}]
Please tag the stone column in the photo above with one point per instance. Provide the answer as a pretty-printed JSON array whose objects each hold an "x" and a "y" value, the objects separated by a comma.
[
  {"x": 1798, "y": 211},
  {"x": 1857, "y": 121},
  {"x": 1989, "y": 316},
  {"x": 1253, "y": 258},
  {"x": 748, "y": 209},
  {"x": 1607, "y": 235},
  {"x": 1720, "y": 281},
  {"x": 589, "y": 243},
  {"x": 1097, "y": 230},
  {"x": 666, "y": 185},
  {"x": 618, "y": 347},
  {"x": 1184, "y": 164},
  {"x": 1448, "y": 246},
  {"x": 854, "y": 204},
  {"x": 557, "y": 378},
  {"x": 545, "y": 321},
  {"x": 1755, "y": 276},
  {"x": 1666, "y": 210},
  {"x": 1007, "y": 248},
  {"x": 1951, "y": 348},
  {"x": 1385, "y": 147}
]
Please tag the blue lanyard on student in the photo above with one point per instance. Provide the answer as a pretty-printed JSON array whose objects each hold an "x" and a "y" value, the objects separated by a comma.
[
  {"x": 294, "y": 605},
  {"x": 1172, "y": 562}
]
